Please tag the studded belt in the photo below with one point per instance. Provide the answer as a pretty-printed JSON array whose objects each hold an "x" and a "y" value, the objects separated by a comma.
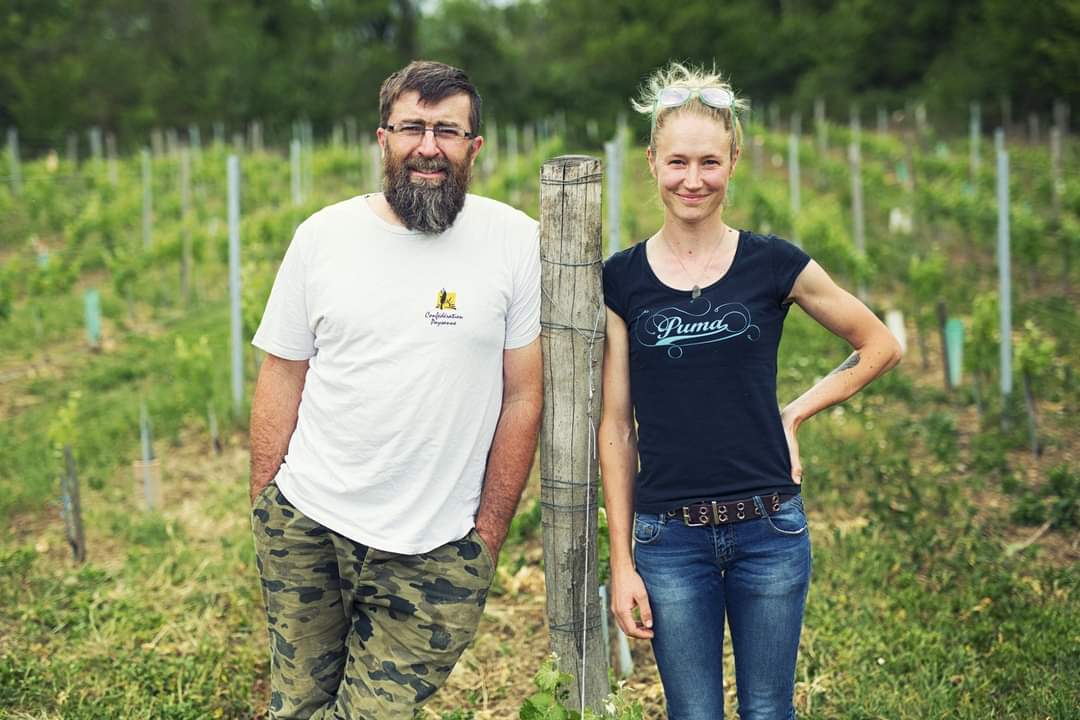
[{"x": 715, "y": 512}]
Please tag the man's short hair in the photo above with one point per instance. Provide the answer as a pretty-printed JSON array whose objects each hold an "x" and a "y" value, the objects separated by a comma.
[{"x": 434, "y": 81}]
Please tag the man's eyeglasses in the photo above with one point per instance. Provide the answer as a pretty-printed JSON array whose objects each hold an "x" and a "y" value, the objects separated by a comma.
[
  {"x": 675, "y": 96},
  {"x": 441, "y": 133}
]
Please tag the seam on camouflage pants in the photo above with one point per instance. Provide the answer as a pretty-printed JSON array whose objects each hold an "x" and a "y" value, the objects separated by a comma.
[{"x": 357, "y": 632}]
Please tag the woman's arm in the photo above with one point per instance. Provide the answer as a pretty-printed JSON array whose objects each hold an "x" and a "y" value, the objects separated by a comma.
[
  {"x": 876, "y": 350},
  {"x": 618, "y": 466}
]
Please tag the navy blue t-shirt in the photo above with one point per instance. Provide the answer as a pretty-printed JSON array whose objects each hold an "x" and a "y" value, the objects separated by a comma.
[{"x": 703, "y": 374}]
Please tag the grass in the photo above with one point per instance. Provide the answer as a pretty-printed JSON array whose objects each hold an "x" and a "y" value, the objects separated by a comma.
[
  {"x": 925, "y": 601},
  {"x": 159, "y": 624}
]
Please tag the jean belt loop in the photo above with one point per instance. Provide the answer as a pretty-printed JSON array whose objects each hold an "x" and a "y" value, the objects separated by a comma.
[{"x": 759, "y": 505}]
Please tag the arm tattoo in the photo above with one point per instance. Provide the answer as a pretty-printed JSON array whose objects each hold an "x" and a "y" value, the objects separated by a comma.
[{"x": 852, "y": 361}]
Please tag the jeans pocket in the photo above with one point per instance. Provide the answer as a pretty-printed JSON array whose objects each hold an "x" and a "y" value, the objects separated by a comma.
[
  {"x": 791, "y": 520},
  {"x": 647, "y": 529}
]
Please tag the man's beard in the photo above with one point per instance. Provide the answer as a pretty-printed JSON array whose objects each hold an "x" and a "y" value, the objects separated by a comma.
[{"x": 422, "y": 205}]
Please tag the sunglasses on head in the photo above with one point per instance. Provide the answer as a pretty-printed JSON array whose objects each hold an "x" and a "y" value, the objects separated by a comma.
[{"x": 675, "y": 96}]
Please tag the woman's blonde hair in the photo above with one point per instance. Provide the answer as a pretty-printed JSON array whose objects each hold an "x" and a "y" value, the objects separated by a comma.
[{"x": 675, "y": 74}]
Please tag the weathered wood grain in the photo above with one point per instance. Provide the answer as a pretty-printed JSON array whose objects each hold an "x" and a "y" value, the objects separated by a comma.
[{"x": 572, "y": 340}]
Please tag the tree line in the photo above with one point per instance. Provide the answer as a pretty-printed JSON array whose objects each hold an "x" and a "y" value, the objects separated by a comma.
[{"x": 129, "y": 66}]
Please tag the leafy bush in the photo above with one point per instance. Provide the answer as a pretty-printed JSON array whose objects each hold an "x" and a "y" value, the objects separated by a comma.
[
  {"x": 988, "y": 453},
  {"x": 824, "y": 232},
  {"x": 1029, "y": 510},
  {"x": 1035, "y": 353},
  {"x": 769, "y": 209},
  {"x": 1064, "y": 488},
  {"x": 939, "y": 429},
  {"x": 524, "y": 525},
  {"x": 7, "y": 297},
  {"x": 548, "y": 703}
]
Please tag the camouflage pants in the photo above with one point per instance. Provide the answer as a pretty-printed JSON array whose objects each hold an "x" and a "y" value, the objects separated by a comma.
[{"x": 358, "y": 633}]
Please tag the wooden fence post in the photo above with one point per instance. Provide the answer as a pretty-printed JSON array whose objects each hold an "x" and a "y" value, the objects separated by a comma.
[
  {"x": 954, "y": 349},
  {"x": 110, "y": 158},
  {"x": 172, "y": 142},
  {"x": 1004, "y": 265},
  {"x": 306, "y": 158},
  {"x": 185, "y": 225},
  {"x": 294, "y": 171},
  {"x": 974, "y": 136},
  {"x": 793, "y": 185},
  {"x": 613, "y": 150},
  {"x": 92, "y": 312},
  {"x": 942, "y": 318},
  {"x": 236, "y": 320},
  {"x": 148, "y": 199},
  {"x": 195, "y": 140},
  {"x": 512, "y": 147},
  {"x": 857, "y": 216},
  {"x": 73, "y": 524},
  {"x": 821, "y": 129},
  {"x": 490, "y": 158},
  {"x": 147, "y": 470},
  {"x": 350, "y": 132},
  {"x": 15, "y": 175},
  {"x": 375, "y": 167},
  {"x": 894, "y": 320},
  {"x": 572, "y": 317},
  {"x": 215, "y": 439},
  {"x": 95, "y": 136}
]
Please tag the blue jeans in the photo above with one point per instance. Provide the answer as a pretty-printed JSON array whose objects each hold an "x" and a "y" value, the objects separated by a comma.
[{"x": 757, "y": 572}]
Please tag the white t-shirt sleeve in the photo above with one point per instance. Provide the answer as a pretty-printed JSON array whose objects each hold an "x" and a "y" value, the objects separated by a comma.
[
  {"x": 523, "y": 317},
  {"x": 285, "y": 330}
]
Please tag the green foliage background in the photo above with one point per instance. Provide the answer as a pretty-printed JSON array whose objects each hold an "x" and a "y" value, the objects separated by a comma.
[
  {"x": 931, "y": 597},
  {"x": 129, "y": 66}
]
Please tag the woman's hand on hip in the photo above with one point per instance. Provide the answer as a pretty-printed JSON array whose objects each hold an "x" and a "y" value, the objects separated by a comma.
[
  {"x": 791, "y": 428},
  {"x": 627, "y": 593}
]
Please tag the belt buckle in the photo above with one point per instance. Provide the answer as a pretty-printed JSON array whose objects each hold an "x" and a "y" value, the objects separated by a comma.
[{"x": 686, "y": 518}]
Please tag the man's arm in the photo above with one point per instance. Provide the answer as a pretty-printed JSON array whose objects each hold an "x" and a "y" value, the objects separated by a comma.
[
  {"x": 514, "y": 445},
  {"x": 273, "y": 416}
]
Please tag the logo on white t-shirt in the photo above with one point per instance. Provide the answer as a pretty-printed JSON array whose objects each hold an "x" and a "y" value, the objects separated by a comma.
[{"x": 445, "y": 300}]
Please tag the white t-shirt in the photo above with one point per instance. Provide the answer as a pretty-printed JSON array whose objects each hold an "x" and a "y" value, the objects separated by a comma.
[{"x": 405, "y": 334}]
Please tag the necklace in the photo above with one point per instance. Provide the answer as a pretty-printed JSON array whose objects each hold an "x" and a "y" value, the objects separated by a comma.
[{"x": 695, "y": 292}]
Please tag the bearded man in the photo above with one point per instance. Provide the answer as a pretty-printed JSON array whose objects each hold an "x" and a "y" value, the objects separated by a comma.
[{"x": 395, "y": 416}]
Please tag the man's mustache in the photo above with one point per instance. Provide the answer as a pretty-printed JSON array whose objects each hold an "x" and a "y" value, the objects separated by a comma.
[{"x": 427, "y": 164}]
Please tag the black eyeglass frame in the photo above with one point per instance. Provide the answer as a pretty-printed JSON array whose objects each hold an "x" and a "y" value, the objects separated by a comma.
[{"x": 439, "y": 132}]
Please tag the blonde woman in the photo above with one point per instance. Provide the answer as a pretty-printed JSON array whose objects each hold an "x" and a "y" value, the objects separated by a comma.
[{"x": 700, "y": 466}]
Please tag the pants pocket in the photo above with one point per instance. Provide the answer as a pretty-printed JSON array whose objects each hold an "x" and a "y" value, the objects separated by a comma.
[
  {"x": 791, "y": 520},
  {"x": 647, "y": 529},
  {"x": 259, "y": 510},
  {"x": 485, "y": 551}
]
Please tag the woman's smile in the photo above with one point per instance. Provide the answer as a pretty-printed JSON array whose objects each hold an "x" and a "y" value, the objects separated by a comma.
[{"x": 692, "y": 199}]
